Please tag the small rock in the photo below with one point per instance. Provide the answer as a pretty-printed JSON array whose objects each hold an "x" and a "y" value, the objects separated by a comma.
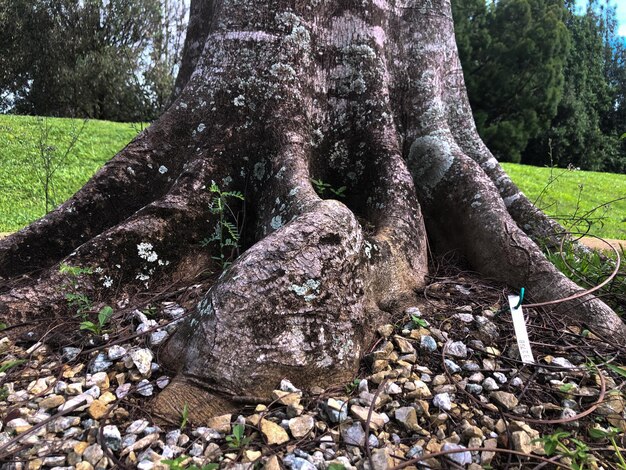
[
  {"x": 500, "y": 377},
  {"x": 122, "y": 390},
  {"x": 562, "y": 362},
  {"x": 336, "y": 410},
  {"x": 456, "y": 349},
  {"x": 516, "y": 382},
  {"x": 443, "y": 401},
  {"x": 301, "y": 425},
  {"x": 505, "y": 399},
  {"x": 157, "y": 337},
  {"x": 298, "y": 463},
  {"x": 428, "y": 343},
  {"x": 377, "y": 421},
  {"x": 273, "y": 432},
  {"x": 84, "y": 466},
  {"x": 407, "y": 415},
  {"x": 112, "y": 437},
  {"x": 452, "y": 366},
  {"x": 69, "y": 353},
  {"x": 100, "y": 363},
  {"x": 404, "y": 345},
  {"x": 142, "y": 358},
  {"x": 100, "y": 379},
  {"x": 93, "y": 454},
  {"x": 464, "y": 317},
  {"x": 490, "y": 384},
  {"x": 97, "y": 409},
  {"x": 18, "y": 426},
  {"x": 145, "y": 388},
  {"x": 353, "y": 434},
  {"x": 272, "y": 463},
  {"x": 37, "y": 387},
  {"x": 162, "y": 382},
  {"x": 521, "y": 442},
  {"x": 386, "y": 331},
  {"x": 286, "y": 398},
  {"x": 462, "y": 457},
  {"x": 220, "y": 423},
  {"x": 287, "y": 386},
  {"x": 137, "y": 426},
  {"x": 116, "y": 352},
  {"x": 474, "y": 389},
  {"x": 52, "y": 401}
]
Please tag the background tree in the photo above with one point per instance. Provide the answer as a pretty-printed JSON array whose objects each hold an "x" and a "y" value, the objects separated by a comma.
[
  {"x": 513, "y": 53},
  {"x": 93, "y": 58},
  {"x": 369, "y": 96},
  {"x": 582, "y": 133}
]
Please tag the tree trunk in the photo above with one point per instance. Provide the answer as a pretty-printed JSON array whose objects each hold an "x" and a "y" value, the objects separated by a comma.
[{"x": 369, "y": 97}]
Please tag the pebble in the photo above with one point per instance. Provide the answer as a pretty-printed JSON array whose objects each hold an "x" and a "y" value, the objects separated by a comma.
[
  {"x": 456, "y": 349},
  {"x": 443, "y": 401},
  {"x": 336, "y": 410},
  {"x": 428, "y": 343},
  {"x": 101, "y": 363},
  {"x": 302, "y": 425},
  {"x": 489, "y": 384},
  {"x": 145, "y": 388},
  {"x": 142, "y": 358},
  {"x": 462, "y": 458},
  {"x": 112, "y": 437},
  {"x": 353, "y": 434},
  {"x": 273, "y": 433},
  {"x": 116, "y": 352},
  {"x": 505, "y": 399}
]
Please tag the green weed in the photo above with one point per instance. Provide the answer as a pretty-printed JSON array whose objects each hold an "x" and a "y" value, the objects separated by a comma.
[
  {"x": 104, "y": 315},
  {"x": 227, "y": 231},
  {"x": 321, "y": 187},
  {"x": 237, "y": 439}
]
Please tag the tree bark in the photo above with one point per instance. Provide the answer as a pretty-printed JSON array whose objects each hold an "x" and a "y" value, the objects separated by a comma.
[{"x": 370, "y": 97}]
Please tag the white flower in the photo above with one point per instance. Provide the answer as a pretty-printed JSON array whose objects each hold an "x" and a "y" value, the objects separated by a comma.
[
  {"x": 162, "y": 169},
  {"x": 146, "y": 252},
  {"x": 108, "y": 282},
  {"x": 239, "y": 101}
]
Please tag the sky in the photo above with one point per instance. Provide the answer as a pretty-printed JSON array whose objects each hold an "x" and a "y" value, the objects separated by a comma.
[{"x": 620, "y": 12}]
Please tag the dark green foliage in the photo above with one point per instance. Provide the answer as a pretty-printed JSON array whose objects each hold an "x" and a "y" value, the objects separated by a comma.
[
  {"x": 534, "y": 96},
  {"x": 583, "y": 132},
  {"x": 101, "y": 59},
  {"x": 513, "y": 53}
]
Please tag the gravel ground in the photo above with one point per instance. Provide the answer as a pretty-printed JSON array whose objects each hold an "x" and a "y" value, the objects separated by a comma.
[{"x": 441, "y": 388}]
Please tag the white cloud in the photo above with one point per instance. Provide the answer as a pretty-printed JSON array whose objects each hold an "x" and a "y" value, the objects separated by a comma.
[{"x": 622, "y": 30}]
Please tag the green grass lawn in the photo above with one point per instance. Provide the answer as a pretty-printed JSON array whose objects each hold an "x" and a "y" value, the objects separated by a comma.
[
  {"x": 21, "y": 192},
  {"x": 22, "y": 197},
  {"x": 564, "y": 194}
]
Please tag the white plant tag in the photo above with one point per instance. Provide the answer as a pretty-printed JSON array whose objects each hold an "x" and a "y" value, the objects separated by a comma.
[{"x": 521, "y": 333}]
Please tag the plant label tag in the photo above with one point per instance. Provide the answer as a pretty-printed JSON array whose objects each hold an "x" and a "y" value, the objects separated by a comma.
[{"x": 521, "y": 333}]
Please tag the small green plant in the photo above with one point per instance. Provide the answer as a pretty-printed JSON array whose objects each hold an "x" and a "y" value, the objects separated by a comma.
[
  {"x": 321, "y": 187},
  {"x": 590, "y": 269},
  {"x": 557, "y": 444},
  {"x": 566, "y": 388},
  {"x": 150, "y": 311},
  {"x": 184, "y": 417},
  {"x": 227, "y": 231},
  {"x": 74, "y": 271},
  {"x": 180, "y": 463},
  {"x": 237, "y": 439},
  {"x": 3, "y": 326},
  {"x": 80, "y": 302},
  {"x": 352, "y": 386},
  {"x": 419, "y": 322},
  {"x": 4, "y": 393},
  {"x": 336, "y": 466},
  {"x": 5, "y": 366},
  {"x": 103, "y": 317},
  {"x": 611, "y": 434}
]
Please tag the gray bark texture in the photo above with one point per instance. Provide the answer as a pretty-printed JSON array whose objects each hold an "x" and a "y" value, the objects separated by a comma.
[{"x": 272, "y": 94}]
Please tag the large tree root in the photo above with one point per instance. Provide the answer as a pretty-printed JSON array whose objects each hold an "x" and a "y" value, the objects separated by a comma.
[{"x": 370, "y": 99}]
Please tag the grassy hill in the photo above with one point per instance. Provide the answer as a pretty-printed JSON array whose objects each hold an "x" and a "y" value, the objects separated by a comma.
[
  {"x": 21, "y": 191},
  {"x": 561, "y": 193}
]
